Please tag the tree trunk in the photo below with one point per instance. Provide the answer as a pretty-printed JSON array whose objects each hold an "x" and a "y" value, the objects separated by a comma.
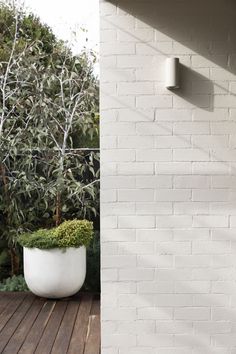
[
  {"x": 58, "y": 209},
  {"x": 15, "y": 261}
]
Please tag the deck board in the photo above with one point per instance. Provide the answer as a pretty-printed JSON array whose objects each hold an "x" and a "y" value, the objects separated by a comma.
[
  {"x": 29, "y": 324},
  {"x": 78, "y": 338}
]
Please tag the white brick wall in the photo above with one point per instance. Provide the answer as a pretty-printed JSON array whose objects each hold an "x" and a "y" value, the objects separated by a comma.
[{"x": 168, "y": 179}]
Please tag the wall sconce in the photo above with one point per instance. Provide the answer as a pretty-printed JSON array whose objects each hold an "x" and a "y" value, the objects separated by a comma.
[{"x": 172, "y": 73}]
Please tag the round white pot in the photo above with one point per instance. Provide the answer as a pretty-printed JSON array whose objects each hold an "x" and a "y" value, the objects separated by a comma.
[{"x": 55, "y": 273}]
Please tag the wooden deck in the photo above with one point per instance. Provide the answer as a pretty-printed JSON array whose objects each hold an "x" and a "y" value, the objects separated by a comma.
[{"x": 29, "y": 324}]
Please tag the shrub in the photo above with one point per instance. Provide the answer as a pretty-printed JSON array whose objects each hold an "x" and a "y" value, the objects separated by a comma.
[
  {"x": 15, "y": 283},
  {"x": 71, "y": 233}
]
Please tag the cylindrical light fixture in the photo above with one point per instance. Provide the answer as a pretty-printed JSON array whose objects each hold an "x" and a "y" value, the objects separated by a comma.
[{"x": 172, "y": 73}]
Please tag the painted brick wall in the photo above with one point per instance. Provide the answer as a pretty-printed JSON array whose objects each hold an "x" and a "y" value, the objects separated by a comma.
[{"x": 168, "y": 183}]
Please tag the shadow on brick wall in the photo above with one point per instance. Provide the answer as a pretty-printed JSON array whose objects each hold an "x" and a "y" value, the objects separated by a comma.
[{"x": 205, "y": 29}]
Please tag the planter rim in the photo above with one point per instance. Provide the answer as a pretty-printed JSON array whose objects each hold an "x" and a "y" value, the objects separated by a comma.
[{"x": 53, "y": 248}]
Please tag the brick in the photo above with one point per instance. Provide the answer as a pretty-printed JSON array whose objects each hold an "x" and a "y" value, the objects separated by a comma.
[
  {"x": 118, "y": 155},
  {"x": 174, "y": 141},
  {"x": 153, "y": 208},
  {"x": 198, "y": 182},
  {"x": 223, "y": 127},
  {"x": 109, "y": 222},
  {"x": 110, "y": 182},
  {"x": 155, "y": 313},
  {"x": 108, "y": 35},
  {"x": 210, "y": 221},
  {"x": 138, "y": 35},
  {"x": 134, "y": 61},
  {"x": 135, "y": 168},
  {"x": 195, "y": 314},
  {"x": 119, "y": 314},
  {"x": 192, "y": 287},
  {"x": 185, "y": 235},
  {"x": 173, "y": 195},
  {"x": 174, "y": 168},
  {"x": 136, "y": 222},
  {"x": 117, "y": 48},
  {"x": 109, "y": 275},
  {"x": 195, "y": 128},
  {"x": 135, "y": 88},
  {"x": 171, "y": 115},
  {"x": 210, "y": 141},
  {"x": 138, "y": 248},
  {"x": 135, "y": 115},
  {"x": 173, "y": 247},
  {"x": 154, "y": 181},
  {"x": 159, "y": 340},
  {"x": 210, "y": 168},
  {"x": 161, "y": 101},
  {"x": 110, "y": 22},
  {"x": 223, "y": 181},
  {"x": 158, "y": 287},
  {"x": 135, "y": 195},
  {"x": 192, "y": 261},
  {"x": 210, "y": 195},
  {"x": 117, "y": 208},
  {"x": 155, "y": 261},
  {"x": 138, "y": 327},
  {"x": 176, "y": 221},
  {"x": 191, "y": 208},
  {"x": 119, "y": 261},
  {"x": 203, "y": 115},
  {"x": 154, "y": 235},
  {"x": 151, "y": 48},
  {"x": 107, "y": 9},
  {"x": 154, "y": 128},
  {"x": 108, "y": 196},
  {"x": 118, "y": 235},
  {"x": 211, "y": 327},
  {"x": 112, "y": 102},
  {"x": 117, "y": 75},
  {"x": 202, "y": 101},
  {"x": 191, "y": 155},
  {"x": 136, "y": 274},
  {"x": 154, "y": 155},
  {"x": 173, "y": 274},
  {"x": 134, "y": 141},
  {"x": 199, "y": 61},
  {"x": 119, "y": 129}
]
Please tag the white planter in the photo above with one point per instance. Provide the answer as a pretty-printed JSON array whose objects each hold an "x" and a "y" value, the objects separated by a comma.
[{"x": 55, "y": 273}]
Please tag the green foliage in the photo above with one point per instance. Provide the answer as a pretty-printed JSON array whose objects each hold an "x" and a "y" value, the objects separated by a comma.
[
  {"x": 15, "y": 283},
  {"x": 49, "y": 103},
  {"x": 71, "y": 233},
  {"x": 5, "y": 261},
  {"x": 74, "y": 233},
  {"x": 92, "y": 281},
  {"x": 49, "y": 106},
  {"x": 42, "y": 238}
]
